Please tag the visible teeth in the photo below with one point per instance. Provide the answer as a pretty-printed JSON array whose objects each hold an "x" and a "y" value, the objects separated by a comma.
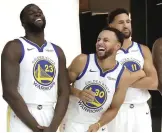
[
  {"x": 101, "y": 49},
  {"x": 38, "y": 19}
]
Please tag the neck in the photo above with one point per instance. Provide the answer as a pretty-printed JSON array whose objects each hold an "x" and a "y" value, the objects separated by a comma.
[
  {"x": 37, "y": 38},
  {"x": 127, "y": 43},
  {"x": 108, "y": 63}
]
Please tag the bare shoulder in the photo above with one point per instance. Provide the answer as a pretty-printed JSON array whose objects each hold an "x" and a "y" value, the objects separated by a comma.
[
  {"x": 79, "y": 63},
  {"x": 81, "y": 59},
  {"x": 144, "y": 48},
  {"x": 146, "y": 51},
  {"x": 157, "y": 45},
  {"x": 12, "y": 45},
  {"x": 12, "y": 49},
  {"x": 158, "y": 42}
]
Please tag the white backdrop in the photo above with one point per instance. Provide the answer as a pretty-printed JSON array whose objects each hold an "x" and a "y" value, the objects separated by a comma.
[{"x": 62, "y": 28}]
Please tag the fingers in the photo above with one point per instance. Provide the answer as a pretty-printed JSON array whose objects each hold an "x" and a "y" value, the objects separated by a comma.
[
  {"x": 89, "y": 130},
  {"x": 86, "y": 99},
  {"x": 88, "y": 96},
  {"x": 90, "y": 92},
  {"x": 40, "y": 127}
]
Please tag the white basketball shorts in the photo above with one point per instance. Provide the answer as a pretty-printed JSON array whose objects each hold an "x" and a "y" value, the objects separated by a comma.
[
  {"x": 42, "y": 113},
  {"x": 132, "y": 118}
]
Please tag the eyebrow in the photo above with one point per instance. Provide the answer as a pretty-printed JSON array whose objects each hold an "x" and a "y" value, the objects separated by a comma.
[{"x": 30, "y": 9}]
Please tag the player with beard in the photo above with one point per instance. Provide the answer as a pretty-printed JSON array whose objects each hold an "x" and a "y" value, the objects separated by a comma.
[
  {"x": 99, "y": 85},
  {"x": 34, "y": 77},
  {"x": 134, "y": 114}
]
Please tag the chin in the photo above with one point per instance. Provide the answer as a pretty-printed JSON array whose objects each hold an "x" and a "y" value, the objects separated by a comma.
[
  {"x": 101, "y": 57},
  {"x": 39, "y": 28},
  {"x": 127, "y": 36}
]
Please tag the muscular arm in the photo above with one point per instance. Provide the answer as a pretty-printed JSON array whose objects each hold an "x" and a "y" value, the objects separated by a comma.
[
  {"x": 63, "y": 92},
  {"x": 75, "y": 69},
  {"x": 157, "y": 59},
  {"x": 150, "y": 82},
  {"x": 10, "y": 75},
  {"x": 126, "y": 80}
]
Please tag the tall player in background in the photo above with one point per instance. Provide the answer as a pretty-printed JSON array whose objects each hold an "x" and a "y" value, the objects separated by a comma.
[
  {"x": 157, "y": 53},
  {"x": 34, "y": 77},
  {"x": 100, "y": 85},
  {"x": 134, "y": 114}
]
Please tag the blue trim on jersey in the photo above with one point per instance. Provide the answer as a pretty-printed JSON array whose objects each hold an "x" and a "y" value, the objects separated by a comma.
[
  {"x": 140, "y": 49},
  {"x": 23, "y": 52},
  {"x": 85, "y": 69},
  {"x": 127, "y": 50},
  {"x": 101, "y": 72},
  {"x": 40, "y": 49},
  {"x": 119, "y": 76},
  {"x": 54, "y": 47}
]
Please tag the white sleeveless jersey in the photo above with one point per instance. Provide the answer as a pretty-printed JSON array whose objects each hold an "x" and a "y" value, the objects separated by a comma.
[
  {"x": 38, "y": 73},
  {"x": 103, "y": 84},
  {"x": 133, "y": 59}
]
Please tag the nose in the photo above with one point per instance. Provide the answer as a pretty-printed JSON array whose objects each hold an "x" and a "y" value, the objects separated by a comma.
[
  {"x": 125, "y": 25},
  {"x": 37, "y": 14},
  {"x": 100, "y": 42}
]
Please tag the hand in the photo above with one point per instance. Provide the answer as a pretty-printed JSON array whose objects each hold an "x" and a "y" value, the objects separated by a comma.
[
  {"x": 86, "y": 95},
  {"x": 47, "y": 129},
  {"x": 41, "y": 128},
  {"x": 93, "y": 128}
]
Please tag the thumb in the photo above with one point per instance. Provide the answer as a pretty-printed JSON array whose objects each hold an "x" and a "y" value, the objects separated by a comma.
[{"x": 89, "y": 130}]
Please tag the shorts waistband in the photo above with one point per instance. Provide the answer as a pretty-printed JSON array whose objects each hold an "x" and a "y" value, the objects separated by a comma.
[
  {"x": 132, "y": 105},
  {"x": 39, "y": 106}
]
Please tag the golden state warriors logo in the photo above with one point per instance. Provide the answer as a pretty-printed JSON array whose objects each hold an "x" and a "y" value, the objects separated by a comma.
[
  {"x": 100, "y": 98},
  {"x": 132, "y": 66},
  {"x": 44, "y": 73}
]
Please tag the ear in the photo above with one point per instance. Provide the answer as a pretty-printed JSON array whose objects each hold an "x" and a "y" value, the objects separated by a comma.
[
  {"x": 110, "y": 25},
  {"x": 118, "y": 46}
]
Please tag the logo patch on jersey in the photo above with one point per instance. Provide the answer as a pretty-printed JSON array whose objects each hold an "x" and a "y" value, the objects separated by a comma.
[
  {"x": 100, "y": 98},
  {"x": 110, "y": 78},
  {"x": 30, "y": 49},
  {"x": 44, "y": 73},
  {"x": 134, "y": 50},
  {"x": 92, "y": 70},
  {"x": 49, "y": 50},
  {"x": 132, "y": 66}
]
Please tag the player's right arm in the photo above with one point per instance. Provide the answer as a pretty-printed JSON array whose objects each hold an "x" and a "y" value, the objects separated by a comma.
[
  {"x": 74, "y": 70},
  {"x": 126, "y": 80},
  {"x": 10, "y": 68}
]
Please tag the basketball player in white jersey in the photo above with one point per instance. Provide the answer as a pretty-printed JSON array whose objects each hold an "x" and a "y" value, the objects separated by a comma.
[
  {"x": 100, "y": 85},
  {"x": 34, "y": 77},
  {"x": 134, "y": 114}
]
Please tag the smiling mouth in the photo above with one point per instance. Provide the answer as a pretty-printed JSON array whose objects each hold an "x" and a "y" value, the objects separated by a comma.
[
  {"x": 101, "y": 49},
  {"x": 38, "y": 20}
]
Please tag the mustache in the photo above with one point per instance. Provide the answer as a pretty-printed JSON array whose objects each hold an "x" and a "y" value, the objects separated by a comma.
[{"x": 126, "y": 29}]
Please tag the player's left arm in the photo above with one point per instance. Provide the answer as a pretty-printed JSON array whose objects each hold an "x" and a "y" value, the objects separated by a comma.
[
  {"x": 63, "y": 92},
  {"x": 150, "y": 82}
]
